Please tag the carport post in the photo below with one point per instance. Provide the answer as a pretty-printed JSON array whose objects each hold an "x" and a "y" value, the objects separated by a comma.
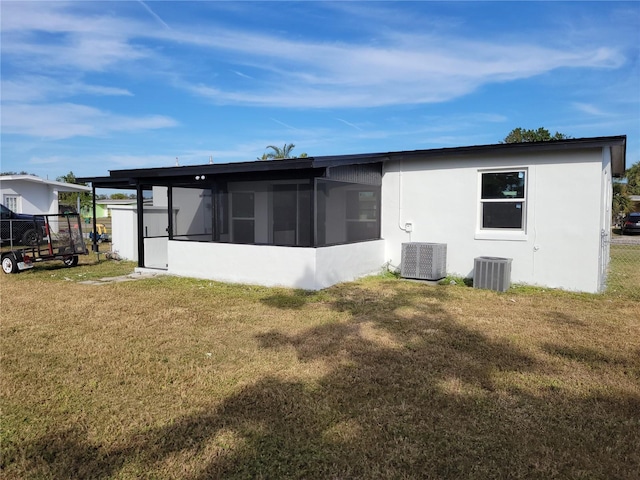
[
  {"x": 95, "y": 220},
  {"x": 170, "y": 211},
  {"x": 140, "y": 205}
]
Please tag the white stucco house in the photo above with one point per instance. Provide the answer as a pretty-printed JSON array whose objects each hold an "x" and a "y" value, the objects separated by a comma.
[
  {"x": 313, "y": 222},
  {"x": 34, "y": 195}
]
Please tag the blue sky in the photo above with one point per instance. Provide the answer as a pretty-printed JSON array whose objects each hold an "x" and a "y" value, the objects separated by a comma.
[{"x": 90, "y": 86}]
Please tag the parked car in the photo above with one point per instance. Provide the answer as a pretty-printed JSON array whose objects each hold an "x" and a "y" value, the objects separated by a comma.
[
  {"x": 631, "y": 223},
  {"x": 19, "y": 228}
]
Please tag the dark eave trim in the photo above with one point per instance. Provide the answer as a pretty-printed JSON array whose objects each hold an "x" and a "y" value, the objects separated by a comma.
[
  {"x": 129, "y": 178},
  {"x": 238, "y": 167},
  {"x": 109, "y": 182}
]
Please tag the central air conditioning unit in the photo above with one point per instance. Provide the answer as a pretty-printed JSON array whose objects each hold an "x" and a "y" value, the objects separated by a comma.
[
  {"x": 492, "y": 273},
  {"x": 424, "y": 261}
]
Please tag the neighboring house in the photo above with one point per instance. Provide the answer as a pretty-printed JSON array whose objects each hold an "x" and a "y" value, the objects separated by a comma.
[
  {"x": 100, "y": 209},
  {"x": 312, "y": 222},
  {"x": 104, "y": 206},
  {"x": 34, "y": 195}
]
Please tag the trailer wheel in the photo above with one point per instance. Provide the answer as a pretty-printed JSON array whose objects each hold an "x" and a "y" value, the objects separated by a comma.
[
  {"x": 71, "y": 261},
  {"x": 9, "y": 264}
]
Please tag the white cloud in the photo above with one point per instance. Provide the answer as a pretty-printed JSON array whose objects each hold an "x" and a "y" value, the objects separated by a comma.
[
  {"x": 290, "y": 127},
  {"x": 135, "y": 161},
  {"x": 67, "y": 120},
  {"x": 63, "y": 35},
  {"x": 407, "y": 69},
  {"x": 84, "y": 52},
  {"x": 287, "y": 71},
  {"x": 243, "y": 75},
  {"x": 352, "y": 125},
  {"x": 154, "y": 15},
  {"x": 49, "y": 160},
  {"x": 399, "y": 68},
  {"x": 32, "y": 88},
  {"x": 591, "y": 109},
  {"x": 87, "y": 165}
]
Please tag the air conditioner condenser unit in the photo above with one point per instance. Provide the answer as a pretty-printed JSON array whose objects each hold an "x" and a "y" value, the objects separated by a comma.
[
  {"x": 492, "y": 273},
  {"x": 424, "y": 261}
]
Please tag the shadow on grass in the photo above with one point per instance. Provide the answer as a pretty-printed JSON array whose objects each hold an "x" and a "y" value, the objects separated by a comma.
[
  {"x": 561, "y": 318},
  {"x": 410, "y": 393},
  {"x": 589, "y": 356},
  {"x": 295, "y": 299}
]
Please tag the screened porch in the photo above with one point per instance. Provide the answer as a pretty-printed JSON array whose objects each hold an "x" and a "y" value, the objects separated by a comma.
[{"x": 337, "y": 206}]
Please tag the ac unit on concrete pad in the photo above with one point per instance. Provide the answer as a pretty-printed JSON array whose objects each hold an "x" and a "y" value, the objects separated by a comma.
[
  {"x": 492, "y": 273},
  {"x": 424, "y": 261}
]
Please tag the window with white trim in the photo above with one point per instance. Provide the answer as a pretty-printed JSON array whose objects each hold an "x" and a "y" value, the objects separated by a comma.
[
  {"x": 12, "y": 203},
  {"x": 503, "y": 197}
]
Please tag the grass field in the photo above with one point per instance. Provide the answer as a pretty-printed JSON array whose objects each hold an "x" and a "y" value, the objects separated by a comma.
[
  {"x": 382, "y": 378},
  {"x": 624, "y": 271}
]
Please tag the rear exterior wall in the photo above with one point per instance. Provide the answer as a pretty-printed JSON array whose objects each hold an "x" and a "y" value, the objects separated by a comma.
[{"x": 560, "y": 244}]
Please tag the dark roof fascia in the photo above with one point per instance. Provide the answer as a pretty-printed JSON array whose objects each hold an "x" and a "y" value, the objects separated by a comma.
[
  {"x": 568, "y": 144},
  {"x": 214, "y": 169},
  {"x": 617, "y": 145},
  {"x": 109, "y": 182},
  {"x": 129, "y": 177},
  {"x": 356, "y": 159}
]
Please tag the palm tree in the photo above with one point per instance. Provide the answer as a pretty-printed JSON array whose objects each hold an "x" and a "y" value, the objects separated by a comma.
[{"x": 284, "y": 152}]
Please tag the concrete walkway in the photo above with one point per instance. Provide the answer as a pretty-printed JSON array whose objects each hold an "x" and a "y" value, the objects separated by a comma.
[{"x": 123, "y": 278}]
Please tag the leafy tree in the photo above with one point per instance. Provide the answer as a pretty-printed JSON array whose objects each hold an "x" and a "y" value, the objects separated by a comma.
[
  {"x": 68, "y": 178},
  {"x": 278, "y": 153},
  {"x": 71, "y": 198},
  {"x": 122, "y": 196},
  {"x": 18, "y": 173},
  {"x": 633, "y": 179},
  {"x": 621, "y": 204},
  {"x": 521, "y": 135}
]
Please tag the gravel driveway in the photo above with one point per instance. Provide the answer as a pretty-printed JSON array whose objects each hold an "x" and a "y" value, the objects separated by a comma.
[{"x": 625, "y": 240}]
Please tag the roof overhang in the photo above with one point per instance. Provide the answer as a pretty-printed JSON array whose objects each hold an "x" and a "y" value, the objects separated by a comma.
[
  {"x": 59, "y": 186},
  {"x": 618, "y": 159},
  {"x": 172, "y": 175}
]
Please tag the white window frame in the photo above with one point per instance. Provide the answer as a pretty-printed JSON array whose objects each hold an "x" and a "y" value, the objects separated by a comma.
[
  {"x": 16, "y": 207},
  {"x": 504, "y": 233}
]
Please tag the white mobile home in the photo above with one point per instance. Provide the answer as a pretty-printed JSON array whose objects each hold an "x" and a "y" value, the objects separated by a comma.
[
  {"x": 34, "y": 195},
  {"x": 312, "y": 222}
]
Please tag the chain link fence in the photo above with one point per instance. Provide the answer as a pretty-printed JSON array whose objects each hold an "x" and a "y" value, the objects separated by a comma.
[{"x": 623, "y": 278}]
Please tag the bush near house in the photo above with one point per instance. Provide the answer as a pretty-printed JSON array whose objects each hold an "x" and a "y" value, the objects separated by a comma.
[{"x": 382, "y": 378}]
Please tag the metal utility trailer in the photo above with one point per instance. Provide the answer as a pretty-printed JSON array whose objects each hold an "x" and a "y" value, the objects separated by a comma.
[{"x": 58, "y": 237}]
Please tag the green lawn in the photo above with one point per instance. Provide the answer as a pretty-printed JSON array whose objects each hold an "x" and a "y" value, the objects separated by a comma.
[{"x": 383, "y": 378}]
